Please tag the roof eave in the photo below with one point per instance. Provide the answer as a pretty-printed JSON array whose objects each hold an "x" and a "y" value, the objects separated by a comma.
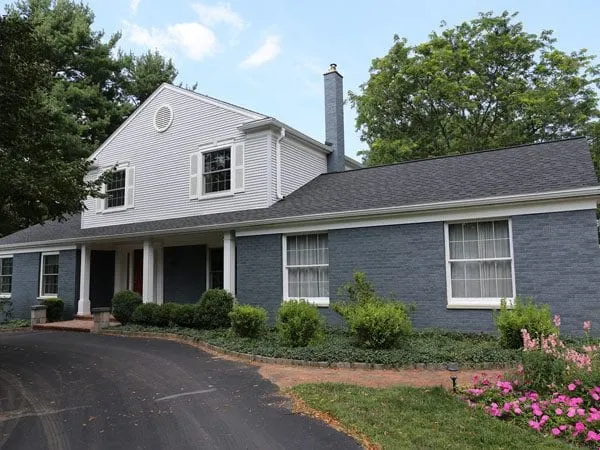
[{"x": 273, "y": 123}]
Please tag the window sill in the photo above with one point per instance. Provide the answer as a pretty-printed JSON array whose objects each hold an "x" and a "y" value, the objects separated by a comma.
[
  {"x": 217, "y": 195},
  {"x": 477, "y": 303},
  {"x": 321, "y": 302},
  {"x": 46, "y": 297},
  {"x": 5, "y": 295},
  {"x": 114, "y": 210}
]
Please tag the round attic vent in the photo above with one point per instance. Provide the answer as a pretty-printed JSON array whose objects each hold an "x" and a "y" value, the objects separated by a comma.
[{"x": 163, "y": 118}]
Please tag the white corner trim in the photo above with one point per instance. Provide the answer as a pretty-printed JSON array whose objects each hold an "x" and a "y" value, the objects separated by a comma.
[{"x": 278, "y": 162}]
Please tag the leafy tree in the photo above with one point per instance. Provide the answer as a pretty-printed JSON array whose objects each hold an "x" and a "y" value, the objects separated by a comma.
[
  {"x": 482, "y": 84},
  {"x": 97, "y": 84},
  {"x": 42, "y": 162}
]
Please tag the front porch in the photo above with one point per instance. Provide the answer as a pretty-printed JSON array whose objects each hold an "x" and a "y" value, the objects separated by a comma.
[{"x": 170, "y": 268}]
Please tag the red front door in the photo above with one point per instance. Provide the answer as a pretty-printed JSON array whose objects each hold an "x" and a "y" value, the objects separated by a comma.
[{"x": 138, "y": 270}]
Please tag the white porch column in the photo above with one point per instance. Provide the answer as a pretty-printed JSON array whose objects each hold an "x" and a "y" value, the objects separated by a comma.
[
  {"x": 83, "y": 305},
  {"x": 120, "y": 270},
  {"x": 229, "y": 262},
  {"x": 148, "y": 273},
  {"x": 158, "y": 265}
]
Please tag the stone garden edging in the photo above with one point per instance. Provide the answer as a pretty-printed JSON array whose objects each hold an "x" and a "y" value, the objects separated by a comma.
[{"x": 297, "y": 362}]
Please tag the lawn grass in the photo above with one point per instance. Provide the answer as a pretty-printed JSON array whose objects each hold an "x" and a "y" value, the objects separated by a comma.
[
  {"x": 14, "y": 324},
  {"x": 411, "y": 418},
  {"x": 430, "y": 347}
]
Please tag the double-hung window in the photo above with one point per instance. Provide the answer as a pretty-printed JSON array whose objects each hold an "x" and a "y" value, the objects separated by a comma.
[
  {"x": 479, "y": 263},
  {"x": 118, "y": 190},
  {"x": 216, "y": 171},
  {"x": 115, "y": 189},
  {"x": 6, "y": 270},
  {"x": 306, "y": 268},
  {"x": 49, "y": 275}
]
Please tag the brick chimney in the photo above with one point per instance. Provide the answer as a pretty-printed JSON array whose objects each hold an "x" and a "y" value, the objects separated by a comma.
[{"x": 334, "y": 119}]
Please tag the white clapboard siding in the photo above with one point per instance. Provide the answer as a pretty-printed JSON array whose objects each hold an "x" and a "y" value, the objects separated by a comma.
[
  {"x": 162, "y": 161},
  {"x": 299, "y": 164}
]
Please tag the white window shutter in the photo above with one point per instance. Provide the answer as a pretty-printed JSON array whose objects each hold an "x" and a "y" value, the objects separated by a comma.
[
  {"x": 100, "y": 202},
  {"x": 238, "y": 167},
  {"x": 194, "y": 175},
  {"x": 130, "y": 187}
]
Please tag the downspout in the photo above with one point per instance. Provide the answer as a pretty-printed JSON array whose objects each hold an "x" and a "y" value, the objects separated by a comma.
[{"x": 278, "y": 158}]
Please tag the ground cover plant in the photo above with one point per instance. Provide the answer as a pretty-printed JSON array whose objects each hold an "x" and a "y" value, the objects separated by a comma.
[{"x": 406, "y": 418}]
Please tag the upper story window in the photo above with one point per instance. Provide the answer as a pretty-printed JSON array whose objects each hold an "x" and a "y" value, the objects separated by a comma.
[
  {"x": 49, "y": 275},
  {"x": 479, "y": 263},
  {"x": 6, "y": 270},
  {"x": 118, "y": 190},
  {"x": 115, "y": 190},
  {"x": 216, "y": 171},
  {"x": 306, "y": 268}
]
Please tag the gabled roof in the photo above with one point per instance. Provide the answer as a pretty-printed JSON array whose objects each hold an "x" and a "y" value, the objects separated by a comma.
[{"x": 551, "y": 170}]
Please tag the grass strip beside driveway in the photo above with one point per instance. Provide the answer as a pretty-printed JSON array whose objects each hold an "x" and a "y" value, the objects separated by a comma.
[{"x": 409, "y": 418}]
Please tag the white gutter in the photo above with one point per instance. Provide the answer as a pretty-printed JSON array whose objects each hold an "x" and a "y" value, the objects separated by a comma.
[
  {"x": 278, "y": 157},
  {"x": 581, "y": 193}
]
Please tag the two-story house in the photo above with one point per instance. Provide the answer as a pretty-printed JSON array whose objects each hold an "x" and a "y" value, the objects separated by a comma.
[{"x": 208, "y": 194}]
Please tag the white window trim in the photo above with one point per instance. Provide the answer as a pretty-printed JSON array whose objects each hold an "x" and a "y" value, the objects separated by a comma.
[
  {"x": 478, "y": 303},
  {"x": 8, "y": 294},
  {"x": 201, "y": 153},
  {"x": 319, "y": 301},
  {"x": 41, "y": 280},
  {"x": 125, "y": 165}
]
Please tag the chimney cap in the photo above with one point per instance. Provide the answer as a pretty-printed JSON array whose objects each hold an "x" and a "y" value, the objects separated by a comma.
[{"x": 332, "y": 69}]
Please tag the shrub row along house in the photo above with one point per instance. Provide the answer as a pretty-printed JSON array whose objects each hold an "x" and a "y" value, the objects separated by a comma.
[{"x": 208, "y": 194}]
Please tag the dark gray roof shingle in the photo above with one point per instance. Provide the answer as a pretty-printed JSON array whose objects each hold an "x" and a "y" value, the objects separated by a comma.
[{"x": 544, "y": 167}]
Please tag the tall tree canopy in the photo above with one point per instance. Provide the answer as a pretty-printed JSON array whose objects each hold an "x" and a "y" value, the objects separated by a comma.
[
  {"x": 482, "y": 84},
  {"x": 63, "y": 91},
  {"x": 95, "y": 82}
]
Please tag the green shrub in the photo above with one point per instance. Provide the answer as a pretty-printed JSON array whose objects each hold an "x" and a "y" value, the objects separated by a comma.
[
  {"x": 54, "y": 309},
  {"x": 145, "y": 313},
  {"x": 536, "y": 319},
  {"x": 216, "y": 304},
  {"x": 184, "y": 315},
  {"x": 247, "y": 320},
  {"x": 162, "y": 315},
  {"x": 299, "y": 323},
  {"x": 543, "y": 372},
  {"x": 379, "y": 325},
  {"x": 124, "y": 304}
]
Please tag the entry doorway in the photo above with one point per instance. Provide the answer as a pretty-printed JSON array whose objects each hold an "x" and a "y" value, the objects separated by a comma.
[
  {"x": 138, "y": 271},
  {"x": 215, "y": 268}
]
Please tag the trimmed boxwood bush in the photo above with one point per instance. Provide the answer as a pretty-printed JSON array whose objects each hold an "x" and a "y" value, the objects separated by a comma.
[
  {"x": 247, "y": 320},
  {"x": 379, "y": 325},
  {"x": 144, "y": 314},
  {"x": 124, "y": 304},
  {"x": 54, "y": 309},
  {"x": 299, "y": 323},
  {"x": 215, "y": 306},
  {"x": 185, "y": 315},
  {"x": 536, "y": 319}
]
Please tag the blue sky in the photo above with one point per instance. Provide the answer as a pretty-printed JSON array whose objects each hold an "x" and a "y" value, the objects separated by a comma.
[{"x": 269, "y": 55}]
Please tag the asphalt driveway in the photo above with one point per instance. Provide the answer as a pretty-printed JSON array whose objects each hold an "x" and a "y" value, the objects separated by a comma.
[{"x": 63, "y": 390}]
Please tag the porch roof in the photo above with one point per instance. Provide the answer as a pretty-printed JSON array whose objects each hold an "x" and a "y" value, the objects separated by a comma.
[{"x": 438, "y": 183}]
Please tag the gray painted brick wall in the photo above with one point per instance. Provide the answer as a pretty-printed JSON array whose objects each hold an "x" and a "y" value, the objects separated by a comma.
[
  {"x": 25, "y": 287},
  {"x": 259, "y": 276},
  {"x": 184, "y": 273},
  {"x": 68, "y": 281},
  {"x": 557, "y": 261}
]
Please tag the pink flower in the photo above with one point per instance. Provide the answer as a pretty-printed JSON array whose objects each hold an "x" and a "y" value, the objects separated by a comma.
[
  {"x": 555, "y": 431},
  {"x": 476, "y": 392},
  {"x": 592, "y": 436},
  {"x": 558, "y": 411},
  {"x": 571, "y": 412},
  {"x": 581, "y": 412},
  {"x": 562, "y": 427},
  {"x": 571, "y": 387},
  {"x": 587, "y": 325},
  {"x": 534, "y": 424},
  {"x": 556, "y": 320},
  {"x": 579, "y": 427}
]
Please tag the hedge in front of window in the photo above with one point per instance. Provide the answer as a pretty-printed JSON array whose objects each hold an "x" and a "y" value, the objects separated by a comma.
[
  {"x": 248, "y": 321},
  {"x": 525, "y": 314},
  {"x": 299, "y": 323},
  {"x": 54, "y": 309}
]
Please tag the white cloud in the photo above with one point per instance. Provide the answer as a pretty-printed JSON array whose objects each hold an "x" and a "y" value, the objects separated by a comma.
[
  {"x": 191, "y": 39},
  {"x": 133, "y": 5},
  {"x": 219, "y": 14},
  {"x": 270, "y": 48}
]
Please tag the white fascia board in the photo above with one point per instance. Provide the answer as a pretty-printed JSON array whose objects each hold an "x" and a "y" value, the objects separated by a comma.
[
  {"x": 167, "y": 86},
  {"x": 270, "y": 122},
  {"x": 556, "y": 201},
  {"x": 36, "y": 249}
]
